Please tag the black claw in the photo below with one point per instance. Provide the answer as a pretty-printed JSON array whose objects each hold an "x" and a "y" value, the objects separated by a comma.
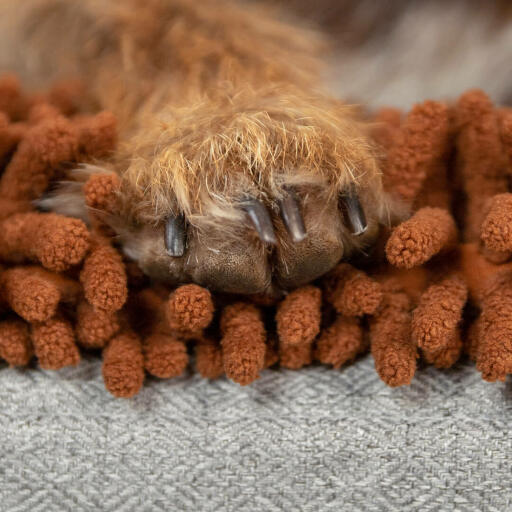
[
  {"x": 261, "y": 220},
  {"x": 174, "y": 235},
  {"x": 292, "y": 218},
  {"x": 354, "y": 213}
]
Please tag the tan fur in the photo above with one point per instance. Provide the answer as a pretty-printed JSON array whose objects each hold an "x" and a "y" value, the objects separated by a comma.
[
  {"x": 216, "y": 101},
  {"x": 261, "y": 140},
  {"x": 143, "y": 55}
]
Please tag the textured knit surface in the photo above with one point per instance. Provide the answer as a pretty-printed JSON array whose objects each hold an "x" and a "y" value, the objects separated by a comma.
[{"x": 315, "y": 439}]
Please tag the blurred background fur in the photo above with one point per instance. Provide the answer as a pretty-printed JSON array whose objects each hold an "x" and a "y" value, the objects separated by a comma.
[{"x": 398, "y": 52}]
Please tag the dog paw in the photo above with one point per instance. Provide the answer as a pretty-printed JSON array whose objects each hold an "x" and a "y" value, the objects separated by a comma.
[{"x": 259, "y": 193}]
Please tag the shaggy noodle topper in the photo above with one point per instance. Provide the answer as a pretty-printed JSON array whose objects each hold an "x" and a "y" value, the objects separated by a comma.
[{"x": 64, "y": 286}]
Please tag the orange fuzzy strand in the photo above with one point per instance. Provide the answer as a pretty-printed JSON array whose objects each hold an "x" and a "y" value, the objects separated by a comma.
[
  {"x": 390, "y": 338},
  {"x": 54, "y": 344},
  {"x": 36, "y": 161},
  {"x": 164, "y": 356},
  {"x": 481, "y": 159},
  {"x": 29, "y": 295},
  {"x": 496, "y": 233},
  {"x": 298, "y": 316},
  {"x": 494, "y": 354},
  {"x": 189, "y": 309},
  {"x": 352, "y": 292},
  {"x": 97, "y": 135},
  {"x": 123, "y": 365},
  {"x": 341, "y": 342},
  {"x": 209, "y": 359},
  {"x": 103, "y": 277},
  {"x": 438, "y": 314},
  {"x": 55, "y": 241},
  {"x": 15, "y": 344},
  {"x": 94, "y": 327},
  {"x": 243, "y": 342},
  {"x": 298, "y": 320},
  {"x": 419, "y": 145},
  {"x": 447, "y": 356},
  {"x": 100, "y": 192},
  {"x": 417, "y": 240}
]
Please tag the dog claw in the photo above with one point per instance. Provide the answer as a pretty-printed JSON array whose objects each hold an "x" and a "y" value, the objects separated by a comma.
[
  {"x": 261, "y": 220},
  {"x": 292, "y": 217},
  {"x": 174, "y": 235},
  {"x": 354, "y": 213}
]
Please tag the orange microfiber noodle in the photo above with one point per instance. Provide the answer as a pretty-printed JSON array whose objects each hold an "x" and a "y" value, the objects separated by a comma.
[
  {"x": 490, "y": 287},
  {"x": 482, "y": 161},
  {"x": 101, "y": 198},
  {"x": 298, "y": 316},
  {"x": 165, "y": 356},
  {"x": 446, "y": 356},
  {"x": 390, "y": 339},
  {"x": 496, "y": 232},
  {"x": 186, "y": 312},
  {"x": 55, "y": 241},
  {"x": 189, "y": 309},
  {"x": 97, "y": 135},
  {"x": 123, "y": 365},
  {"x": 243, "y": 342},
  {"x": 15, "y": 344},
  {"x": 438, "y": 314},
  {"x": 31, "y": 297},
  {"x": 54, "y": 343},
  {"x": 295, "y": 357},
  {"x": 341, "y": 342},
  {"x": 94, "y": 327},
  {"x": 494, "y": 355},
  {"x": 34, "y": 293},
  {"x": 431, "y": 230},
  {"x": 104, "y": 278},
  {"x": 209, "y": 361},
  {"x": 100, "y": 192},
  {"x": 418, "y": 147},
  {"x": 424, "y": 235},
  {"x": 352, "y": 292},
  {"x": 45, "y": 146},
  {"x": 164, "y": 348},
  {"x": 298, "y": 323},
  {"x": 50, "y": 143}
]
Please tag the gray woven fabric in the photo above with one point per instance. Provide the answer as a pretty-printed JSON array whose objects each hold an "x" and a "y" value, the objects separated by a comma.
[{"x": 313, "y": 440}]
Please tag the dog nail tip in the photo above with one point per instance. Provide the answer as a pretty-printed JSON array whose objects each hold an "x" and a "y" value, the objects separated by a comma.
[
  {"x": 261, "y": 220},
  {"x": 354, "y": 213},
  {"x": 176, "y": 252},
  {"x": 298, "y": 237},
  {"x": 360, "y": 232},
  {"x": 269, "y": 239},
  {"x": 292, "y": 218},
  {"x": 174, "y": 236}
]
